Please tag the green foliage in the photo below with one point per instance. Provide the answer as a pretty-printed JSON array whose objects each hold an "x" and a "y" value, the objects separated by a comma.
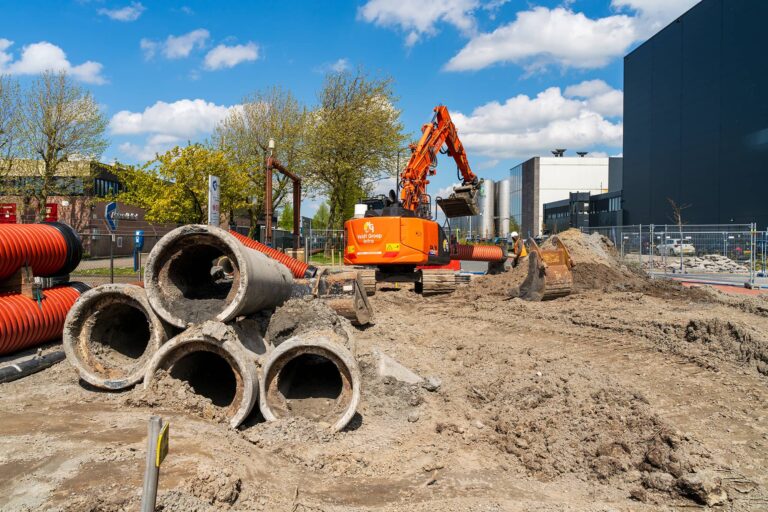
[
  {"x": 285, "y": 221},
  {"x": 320, "y": 220},
  {"x": 354, "y": 131},
  {"x": 60, "y": 121},
  {"x": 513, "y": 225},
  {"x": 244, "y": 136},
  {"x": 174, "y": 186}
]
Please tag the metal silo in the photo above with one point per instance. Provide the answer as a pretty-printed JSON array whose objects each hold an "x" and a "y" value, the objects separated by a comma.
[
  {"x": 486, "y": 209},
  {"x": 503, "y": 201}
]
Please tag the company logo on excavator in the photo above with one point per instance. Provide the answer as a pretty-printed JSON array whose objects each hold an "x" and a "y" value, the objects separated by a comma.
[{"x": 368, "y": 227}]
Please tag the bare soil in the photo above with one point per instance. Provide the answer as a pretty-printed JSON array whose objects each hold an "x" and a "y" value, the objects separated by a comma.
[{"x": 629, "y": 394}]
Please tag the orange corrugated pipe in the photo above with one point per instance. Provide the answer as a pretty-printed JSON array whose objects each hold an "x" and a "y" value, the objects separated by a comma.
[
  {"x": 50, "y": 249},
  {"x": 298, "y": 268},
  {"x": 25, "y": 323},
  {"x": 477, "y": 252}
]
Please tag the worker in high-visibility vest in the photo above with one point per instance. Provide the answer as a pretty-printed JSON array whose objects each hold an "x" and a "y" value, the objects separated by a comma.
[{"x": 518, "y": 248}]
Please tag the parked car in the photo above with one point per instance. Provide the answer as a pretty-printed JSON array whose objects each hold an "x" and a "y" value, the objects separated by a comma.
[{"x": 674, "y": 247}]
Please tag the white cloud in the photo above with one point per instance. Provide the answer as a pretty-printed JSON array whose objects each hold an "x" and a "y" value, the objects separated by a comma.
[
  {"x": 176, "y": 47},
  {"x": 230, "y": 56},
  {"x": 128, "y": 13},
  {"x": 183, "y": 118},
  {"x": 418, "y": 19},
  {"x": 598, "y": 96},
  {"x": 653, "y": 15},
  {"x": 44, "y": 56},
  {"x": 340, "y": 65},
  {"x": 166, "y": 125},
  {"x": 544, "y": 36},
  {"x": 154, "y": 145},
  {"x": 525, "y": 126}
]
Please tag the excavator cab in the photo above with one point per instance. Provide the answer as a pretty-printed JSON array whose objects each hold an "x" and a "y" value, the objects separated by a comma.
[
  {"x": 461, "y": 203},
  {"x": 549, "y": 272}
]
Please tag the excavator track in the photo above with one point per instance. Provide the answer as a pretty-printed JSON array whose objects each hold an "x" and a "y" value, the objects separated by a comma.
[{"x": 435, "y": 282}]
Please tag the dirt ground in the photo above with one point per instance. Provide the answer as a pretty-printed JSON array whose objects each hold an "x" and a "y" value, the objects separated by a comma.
[{"x": 629, "y": 394}]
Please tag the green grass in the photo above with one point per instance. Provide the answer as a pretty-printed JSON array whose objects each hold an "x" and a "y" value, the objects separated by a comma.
[
  {"x": 320, "y": 259},
  {"x": 104, "y": 272}
]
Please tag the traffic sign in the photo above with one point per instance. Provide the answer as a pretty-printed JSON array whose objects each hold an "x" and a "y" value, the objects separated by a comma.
[
  {"x": 110, "y": 214},
  {"x": 214, "y": 192}
]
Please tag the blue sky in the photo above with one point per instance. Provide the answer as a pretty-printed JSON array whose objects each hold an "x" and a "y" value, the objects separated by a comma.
[{"x": 520, "y": 77}]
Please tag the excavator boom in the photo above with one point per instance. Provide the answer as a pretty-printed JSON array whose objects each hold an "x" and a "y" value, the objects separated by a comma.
[{"x": 423, "y": 163}]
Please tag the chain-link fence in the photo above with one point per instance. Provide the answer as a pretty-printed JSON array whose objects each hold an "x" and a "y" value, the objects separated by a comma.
[{"x": 730, "y": 253}]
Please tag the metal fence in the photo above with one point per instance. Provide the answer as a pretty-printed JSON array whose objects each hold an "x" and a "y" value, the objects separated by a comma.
[{"x": 730, "y": 253}]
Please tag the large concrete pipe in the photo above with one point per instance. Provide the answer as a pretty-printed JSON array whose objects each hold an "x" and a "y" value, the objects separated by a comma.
[
  {"x": 184, "y": 287},
  {"x": 210, "y": 357},
  {"x": 110, "y": 334},
  {"x": 312, "y": 377}
]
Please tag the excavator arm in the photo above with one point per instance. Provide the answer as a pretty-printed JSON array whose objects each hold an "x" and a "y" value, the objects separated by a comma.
[{"x": 423, "y": 163}]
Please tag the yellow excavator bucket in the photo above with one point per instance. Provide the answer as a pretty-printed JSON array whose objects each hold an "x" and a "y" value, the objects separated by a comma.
[{"x": 549, "y": 272}]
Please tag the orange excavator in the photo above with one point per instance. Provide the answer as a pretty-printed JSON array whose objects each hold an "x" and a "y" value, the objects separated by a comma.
[{"x": 397, "y": 236}]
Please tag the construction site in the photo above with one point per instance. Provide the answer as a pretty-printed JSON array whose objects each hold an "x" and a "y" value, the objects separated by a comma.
[{"x": 560, "y": 378}]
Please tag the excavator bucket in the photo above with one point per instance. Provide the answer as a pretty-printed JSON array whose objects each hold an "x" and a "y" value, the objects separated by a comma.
[
  {"x": 549, "y": 272},
  {"x": 461, "y": 203}
]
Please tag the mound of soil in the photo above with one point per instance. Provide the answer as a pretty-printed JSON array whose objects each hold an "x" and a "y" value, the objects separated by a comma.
[
  {"x": 558, "y": 423},
  {"x": 170, "y": 393}
]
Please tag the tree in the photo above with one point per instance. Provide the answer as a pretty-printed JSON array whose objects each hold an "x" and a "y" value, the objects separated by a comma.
[
  {"x": 60, "y": 121},
  {"x": 320, "y": 220},
  {"x": 174, "y": 186},
  {"x": 10, "y": 117},
  {"x": 244, "y": 135},
  {"x": 286, "y": 218},
  {"x": 354, "y": 133}
]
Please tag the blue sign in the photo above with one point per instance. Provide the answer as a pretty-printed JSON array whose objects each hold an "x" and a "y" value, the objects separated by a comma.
[{"x": 109, "y": 214}]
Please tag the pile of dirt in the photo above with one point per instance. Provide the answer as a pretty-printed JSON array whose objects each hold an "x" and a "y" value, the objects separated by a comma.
[
  {"x": 559, "y": 423},
  {"x": 167, "y": 392},
  {"x": 298, "y": 316}
]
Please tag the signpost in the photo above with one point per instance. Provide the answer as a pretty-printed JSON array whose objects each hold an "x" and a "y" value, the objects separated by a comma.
[
  {"x": 157, "y": 450},
  {"x": 110, "y": 214},
  {"x": 214, "y": 192}
]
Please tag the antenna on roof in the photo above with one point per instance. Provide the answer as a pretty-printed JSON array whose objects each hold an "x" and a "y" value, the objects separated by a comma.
[
  {"x": 582, "y": 154},
  {"x": 558, "y": 153}
]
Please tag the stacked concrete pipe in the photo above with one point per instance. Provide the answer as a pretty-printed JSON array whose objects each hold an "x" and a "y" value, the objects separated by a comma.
[
  {"x": 110, "y": 334},
  {"x": 184, "y": 291},
  {"x": 311, "y": 375},
  {"x": 212, "y": 358}
]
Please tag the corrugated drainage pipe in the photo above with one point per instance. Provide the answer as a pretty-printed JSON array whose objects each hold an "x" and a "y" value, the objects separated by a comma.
[
  {"x": 477, "y": 252},
  {"x": 50, "y": 249},
  {"x": 184, "y": 287},
  {"x": 310, "y": 376},
  {"x": 299, "y": 269},
  {"x": 25, "y": 323},
  {"x": 210, "y": 357},
  {"x": 110, "y": 334}
]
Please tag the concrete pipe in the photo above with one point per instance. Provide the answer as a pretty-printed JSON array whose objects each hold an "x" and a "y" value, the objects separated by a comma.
[
  {"x": 110, "y": 334},
  {"x": 211, "y": 359},
  {"x": 312, "y": 377},
  {"x": 186, "y": 286}
]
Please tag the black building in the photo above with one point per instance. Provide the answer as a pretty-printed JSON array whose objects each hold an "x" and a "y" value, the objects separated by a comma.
[
  {"x": 696, "y": 118},
  {"x": 582, "y": 210}
]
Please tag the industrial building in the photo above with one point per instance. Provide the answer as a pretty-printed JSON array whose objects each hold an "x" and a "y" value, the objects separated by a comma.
[
  {"x": 696, "y": 118},
  {"x": 583, "y": 210},
  {"x": 517, "y": 202},
  {"x": 542, "y": 180}
]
